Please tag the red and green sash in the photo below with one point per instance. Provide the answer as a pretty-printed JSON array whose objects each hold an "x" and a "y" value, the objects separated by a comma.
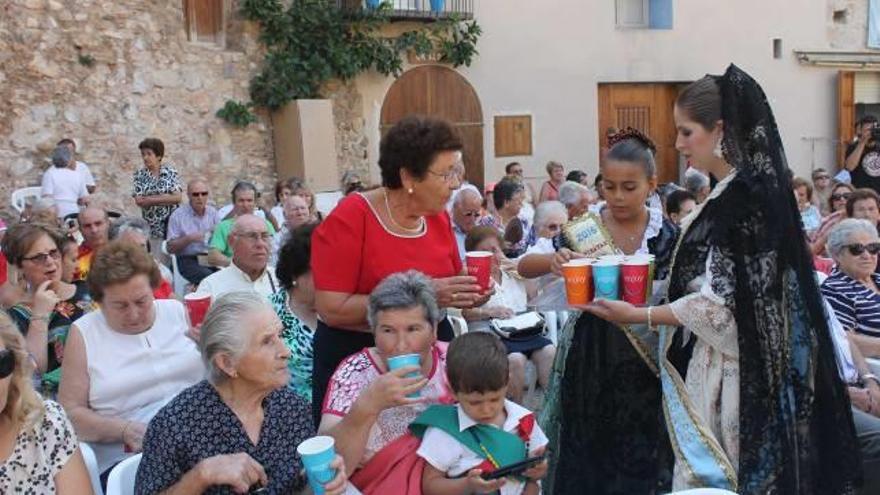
[{"x": 489, "y": 442}]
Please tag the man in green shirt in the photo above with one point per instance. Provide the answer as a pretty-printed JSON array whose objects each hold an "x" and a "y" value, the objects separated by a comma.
[{"x": 244, "y": 197}]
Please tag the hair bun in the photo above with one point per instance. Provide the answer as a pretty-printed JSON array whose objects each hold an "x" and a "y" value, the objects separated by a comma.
[{"x": 631, "y": 133}]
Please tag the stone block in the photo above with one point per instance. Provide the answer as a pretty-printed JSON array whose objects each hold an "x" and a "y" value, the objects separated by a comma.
[{"x": 167, "y": 78}]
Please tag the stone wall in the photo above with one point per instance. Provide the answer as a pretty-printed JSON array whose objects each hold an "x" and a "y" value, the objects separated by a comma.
[{"x": 146, "y": 80}]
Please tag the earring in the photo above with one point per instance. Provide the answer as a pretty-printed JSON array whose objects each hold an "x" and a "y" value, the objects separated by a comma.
[
  {"x": 719, "y": 149},
  {"x": 409, "y": 190}
]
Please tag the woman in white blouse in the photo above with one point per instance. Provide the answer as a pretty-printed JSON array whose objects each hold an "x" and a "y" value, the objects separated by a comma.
[
  {"x": 127, "y": 360},
  {"x": 38, "y": 449}
]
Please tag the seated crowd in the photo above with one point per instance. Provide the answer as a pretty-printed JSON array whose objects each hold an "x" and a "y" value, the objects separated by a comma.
[{"x": 308, "y": 315}]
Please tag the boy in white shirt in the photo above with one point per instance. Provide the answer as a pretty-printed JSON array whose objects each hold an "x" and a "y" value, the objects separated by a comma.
[{"x": 484, "y": 431}]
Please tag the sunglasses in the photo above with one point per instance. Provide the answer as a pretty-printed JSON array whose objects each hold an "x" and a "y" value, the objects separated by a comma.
[
  {"x": 7, "y": 363},
  {"x": 197, "y": 194},
  {"x": 857, "y": 249},
  {"x": 838, "y": 197}
]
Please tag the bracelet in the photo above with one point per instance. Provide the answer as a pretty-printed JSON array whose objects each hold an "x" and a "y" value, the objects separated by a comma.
[
  {"x": 650, "y": 324},
  {"x": 870, "y": 376},
  {"x": 45, "y": 318}
]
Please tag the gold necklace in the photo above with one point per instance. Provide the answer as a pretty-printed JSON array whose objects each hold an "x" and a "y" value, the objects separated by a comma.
[{"x": 417, "y": 230}]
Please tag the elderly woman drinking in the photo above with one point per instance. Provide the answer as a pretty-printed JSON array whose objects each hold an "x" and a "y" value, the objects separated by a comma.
[
  {"x": 38, "y": 449},
  {"x": 241, "y": 426},
  {"x": 128, "y": 359},
  {"x": 853, "y": 289},
  {"x": 368, "y": 409}
]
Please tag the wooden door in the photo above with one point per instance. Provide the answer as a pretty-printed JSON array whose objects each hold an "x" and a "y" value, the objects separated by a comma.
[
  {"x": 846, "y": 112},
  {"x": 440, "y": 92},
  {"x": 648, "y": 108}
]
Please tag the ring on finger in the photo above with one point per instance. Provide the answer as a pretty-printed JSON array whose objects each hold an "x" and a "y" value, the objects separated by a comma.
[{"x": 455, "y": 295}]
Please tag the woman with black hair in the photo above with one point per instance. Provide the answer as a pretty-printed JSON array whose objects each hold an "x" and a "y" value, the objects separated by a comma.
[
  {"x": 294, "y": 303},
  {"x": 751, "y": 393}
]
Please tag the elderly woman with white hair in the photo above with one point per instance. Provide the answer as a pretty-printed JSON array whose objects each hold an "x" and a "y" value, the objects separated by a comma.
[
  {"x": 239, "y": 428},
  {"x": 853, "y": 288},
  {"x": 575, "y": 197}
]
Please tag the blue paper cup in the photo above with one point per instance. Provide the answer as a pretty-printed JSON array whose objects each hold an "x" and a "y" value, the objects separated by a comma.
[
  {"x": 317, "y": 453},
  {"x": 396, "y": 362},
  {"x": 606, "y": 279}
]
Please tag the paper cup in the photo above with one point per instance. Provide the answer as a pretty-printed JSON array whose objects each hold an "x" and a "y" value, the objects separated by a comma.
[
  {"x": 317, "y": 453},
  {"x": 634, "y": 276},
  {"x": 578, "y": 281},
  {"x": 479, "y": 264},
  {"x": 606, "y": 279},
  {"x": 396, "y": 362},
  {"x": 197, "y": 304}
]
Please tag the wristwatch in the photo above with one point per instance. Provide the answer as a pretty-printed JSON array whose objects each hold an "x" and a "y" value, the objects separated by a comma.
[{"x": 870, "y": 376}]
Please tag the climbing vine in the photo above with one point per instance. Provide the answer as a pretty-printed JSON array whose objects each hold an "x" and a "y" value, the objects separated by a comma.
[{"x": 314, "y": 41}]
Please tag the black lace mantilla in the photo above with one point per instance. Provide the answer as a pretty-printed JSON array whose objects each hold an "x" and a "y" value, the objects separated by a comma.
[{"x": 796, "y": 429}]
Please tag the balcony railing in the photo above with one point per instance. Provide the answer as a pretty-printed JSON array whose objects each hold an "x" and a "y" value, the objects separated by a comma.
[{"x": 416, "y": 10}]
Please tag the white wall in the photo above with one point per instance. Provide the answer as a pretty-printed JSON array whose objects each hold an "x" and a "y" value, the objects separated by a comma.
[{"x": 547, "y": 57}]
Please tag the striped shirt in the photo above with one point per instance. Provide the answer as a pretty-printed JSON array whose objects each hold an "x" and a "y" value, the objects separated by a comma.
[{"x": 856, "y": 306}]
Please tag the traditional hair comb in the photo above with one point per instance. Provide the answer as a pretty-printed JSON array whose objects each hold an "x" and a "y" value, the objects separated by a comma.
[{"x": 631, "y": 133}]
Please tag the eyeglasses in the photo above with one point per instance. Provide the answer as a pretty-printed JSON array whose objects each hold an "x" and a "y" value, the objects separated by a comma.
[
  {"x": 255, "y": 236},
  {"x": 7, "y": 363},
  {"x": 821, "y": 177},
  {"x": 448, "y": 176},
  {"x": 197, "y": 194},
  {"x": 42, "y": 258},
  {"x": 553, "y": 227},
  {"x": 857, "y": 249},
  {"x": 838, "y": 197},
  {"x": 474, "y": 214}
]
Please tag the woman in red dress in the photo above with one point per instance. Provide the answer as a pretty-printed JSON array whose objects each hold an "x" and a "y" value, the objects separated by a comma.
[{"x": 400, "y": 226}]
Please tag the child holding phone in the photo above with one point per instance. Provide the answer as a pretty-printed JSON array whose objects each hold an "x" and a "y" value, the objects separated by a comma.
[{"x": 463, "y": 444}]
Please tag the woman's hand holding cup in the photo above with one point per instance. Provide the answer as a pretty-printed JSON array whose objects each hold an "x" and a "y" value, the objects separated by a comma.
[
  {"x": 461, "y": 292},
  {"x": 391, "y": 389}
]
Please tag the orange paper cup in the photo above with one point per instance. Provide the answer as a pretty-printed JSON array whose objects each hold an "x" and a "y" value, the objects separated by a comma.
[{"x": 578, "y": 276}]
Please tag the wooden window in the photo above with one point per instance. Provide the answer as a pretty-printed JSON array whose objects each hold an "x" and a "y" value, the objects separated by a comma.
[
  {"x": 205, "y": 21},
  {"x": 513, "y": 135}
]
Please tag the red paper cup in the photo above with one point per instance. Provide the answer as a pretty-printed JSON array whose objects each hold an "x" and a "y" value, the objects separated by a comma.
[
  {"x": 578, "y": 276},
  {"x": 635, "y": 275},
  {"x": 197, "y": 304},
  {"x": 479, "y": 264}
]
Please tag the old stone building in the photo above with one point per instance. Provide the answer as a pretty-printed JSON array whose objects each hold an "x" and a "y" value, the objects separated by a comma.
[{"x": 110, "y": 73}]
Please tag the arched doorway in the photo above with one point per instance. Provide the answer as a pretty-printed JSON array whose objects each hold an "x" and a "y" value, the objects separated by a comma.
[{"x": 440, "y": 92}]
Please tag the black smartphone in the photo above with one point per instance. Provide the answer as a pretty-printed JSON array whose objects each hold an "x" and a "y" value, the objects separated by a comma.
[{"x": 513, "y": 469}]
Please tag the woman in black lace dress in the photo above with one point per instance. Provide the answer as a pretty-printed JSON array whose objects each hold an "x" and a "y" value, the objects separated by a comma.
[{"x": 751, "y": 394}]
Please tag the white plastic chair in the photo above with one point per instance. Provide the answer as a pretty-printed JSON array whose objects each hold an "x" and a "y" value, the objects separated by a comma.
[
  {"x": 121, "y": 479},
  {"x": 459, "y": 324},
  {"x": 20, "y": 195},
  {"x": 178, "y": 283},
  {"x": 92, "y": 467}
]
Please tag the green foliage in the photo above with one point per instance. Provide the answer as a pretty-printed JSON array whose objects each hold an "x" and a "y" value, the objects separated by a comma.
[
  {"x": 86, "y": 60},
  {"x": 313, "y": 41},
  {"x": 237, "y": 113}
]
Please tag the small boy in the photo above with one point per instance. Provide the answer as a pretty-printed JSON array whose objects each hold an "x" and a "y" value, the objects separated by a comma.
[{"x": 484, "y": 431}]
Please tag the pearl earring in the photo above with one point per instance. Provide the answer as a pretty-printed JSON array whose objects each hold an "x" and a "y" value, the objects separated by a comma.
[
  {"x": 409, "y": 190},
  {"x": 719, "y": 149}
]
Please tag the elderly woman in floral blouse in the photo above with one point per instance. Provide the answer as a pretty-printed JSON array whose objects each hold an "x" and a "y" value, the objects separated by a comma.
[{"x": 157, "y": 189}]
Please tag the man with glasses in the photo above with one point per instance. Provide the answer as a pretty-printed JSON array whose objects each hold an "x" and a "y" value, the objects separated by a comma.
[
  {"x": 244, "y": 200},
  {"x": 466, "y": 210},
  {"x": 249, "y": 270},
  {"x": 188, "y": 228}
]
